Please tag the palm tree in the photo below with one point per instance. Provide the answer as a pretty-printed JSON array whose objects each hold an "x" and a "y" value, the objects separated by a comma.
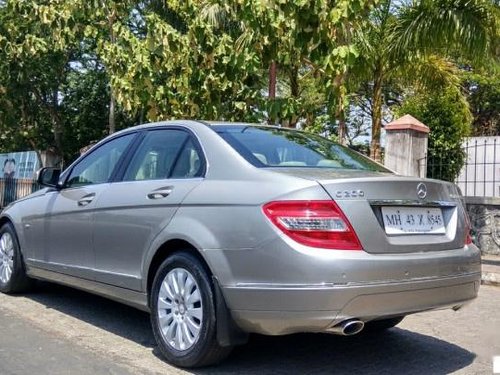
[{"x": 413, "y": 42}]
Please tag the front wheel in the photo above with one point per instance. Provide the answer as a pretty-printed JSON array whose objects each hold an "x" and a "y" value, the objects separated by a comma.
[
  {"x": 183, "y": 313},
  {"x": 13, "y": 277}
]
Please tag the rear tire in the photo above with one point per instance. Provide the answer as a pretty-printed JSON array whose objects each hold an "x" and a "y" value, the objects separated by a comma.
[
  {"x": 183, "y": 313},
  {"x": 13, "y": 278},
  {"x": 382, "y": 325}
]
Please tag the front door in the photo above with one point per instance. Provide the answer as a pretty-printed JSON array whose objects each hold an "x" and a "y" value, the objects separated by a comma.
[{"x": 66, "y": 226}]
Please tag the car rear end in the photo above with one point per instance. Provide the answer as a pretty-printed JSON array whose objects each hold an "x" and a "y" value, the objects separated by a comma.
[{"x": 363, "y": 245}]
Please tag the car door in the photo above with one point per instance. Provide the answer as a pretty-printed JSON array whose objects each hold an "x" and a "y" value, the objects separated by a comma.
[
  {"x": 166, "y": 166},
  {"x": 66, "y": 225}
]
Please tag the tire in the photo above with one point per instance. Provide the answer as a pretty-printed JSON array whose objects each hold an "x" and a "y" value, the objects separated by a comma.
[
  {"x": 13, "y": 278},
  {"x": 382, "y": 325},
  {"x": 184, "y": 323}
]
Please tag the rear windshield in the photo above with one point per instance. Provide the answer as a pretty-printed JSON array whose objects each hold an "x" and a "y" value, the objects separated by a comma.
[{"x": 277, "y": 147}]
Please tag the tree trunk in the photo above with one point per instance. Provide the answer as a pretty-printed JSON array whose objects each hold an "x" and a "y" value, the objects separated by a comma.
[
  {"x": 112, "y": 39},
  {"x": 111, "y": 120},
  {"x": 340, "y": 94},
  {"x": 294, "y": 93},
  {"x": 57, "y": 126},
  {"x": 272, "y": 80},
  {"x": 375, "y": 152},
  {"x": 340, "y": 117},
  {"x": 272, "y": 89}
]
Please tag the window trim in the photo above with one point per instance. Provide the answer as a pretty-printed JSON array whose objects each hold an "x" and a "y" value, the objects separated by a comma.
[{"x": 120, "y": 175}]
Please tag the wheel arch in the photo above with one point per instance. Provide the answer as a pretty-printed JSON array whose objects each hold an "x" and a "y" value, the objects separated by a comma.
[
  {"x": 228, "y": 333},
  {"x": 167, "y": 248},
  {"x": 8, "y": 220},
  {"x": 4, "y": 220}
]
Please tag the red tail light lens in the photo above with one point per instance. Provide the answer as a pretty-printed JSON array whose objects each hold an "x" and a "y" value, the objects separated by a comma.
[
  {"x": 468, "y": 227},
  {"x": 313, "y": 223},
  {"x": 468, "y": 238}
]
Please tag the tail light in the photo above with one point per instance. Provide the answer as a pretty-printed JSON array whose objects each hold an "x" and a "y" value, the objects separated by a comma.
[
  {"x": 468, "y": 227},
  {"x": 468, "y": 238},
  {"x": 313, "y": 223}
]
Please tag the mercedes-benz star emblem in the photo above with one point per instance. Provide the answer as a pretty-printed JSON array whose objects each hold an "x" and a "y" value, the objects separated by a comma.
[{"x": 421, "y": 190}]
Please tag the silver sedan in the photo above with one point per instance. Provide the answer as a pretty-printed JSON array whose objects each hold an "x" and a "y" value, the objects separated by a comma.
[{"x": 220, "y": 230}]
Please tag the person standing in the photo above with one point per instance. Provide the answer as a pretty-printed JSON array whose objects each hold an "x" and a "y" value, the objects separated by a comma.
[{"x": 9, "y": 171}]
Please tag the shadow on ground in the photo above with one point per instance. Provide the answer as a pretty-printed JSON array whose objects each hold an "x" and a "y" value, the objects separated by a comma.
[{"x": 398, "y": 351}]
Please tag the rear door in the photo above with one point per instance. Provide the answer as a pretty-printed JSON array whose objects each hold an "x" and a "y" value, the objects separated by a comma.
[{"x": 167, "y": 164}]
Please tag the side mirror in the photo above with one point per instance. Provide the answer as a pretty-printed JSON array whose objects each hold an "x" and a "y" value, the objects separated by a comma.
[{"x": 48, "y": 177}]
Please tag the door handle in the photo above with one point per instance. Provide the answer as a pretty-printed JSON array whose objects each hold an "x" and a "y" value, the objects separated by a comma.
[
  {"x": 160, "y": 193},
  {"x": 86, "y": 199}
]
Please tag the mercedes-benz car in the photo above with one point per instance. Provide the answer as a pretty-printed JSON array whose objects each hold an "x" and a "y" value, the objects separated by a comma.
[{"x": 224, "y": 229}]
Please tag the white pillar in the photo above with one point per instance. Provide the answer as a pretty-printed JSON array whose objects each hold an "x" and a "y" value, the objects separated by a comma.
[{"x": 406, "y": 146}]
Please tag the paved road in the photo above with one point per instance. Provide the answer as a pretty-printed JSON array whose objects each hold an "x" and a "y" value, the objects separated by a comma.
[{"x": 57, "y": 330}]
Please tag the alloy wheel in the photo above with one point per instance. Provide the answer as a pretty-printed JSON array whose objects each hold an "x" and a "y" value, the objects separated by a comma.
[
  {"x": 6, "y": 257},
  {"x": 180, "y": 309}
]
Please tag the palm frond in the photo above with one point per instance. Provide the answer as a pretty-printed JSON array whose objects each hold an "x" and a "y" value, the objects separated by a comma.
[
  {"x": 445, "y": 26},
  {"x": 428, "y": 72}
]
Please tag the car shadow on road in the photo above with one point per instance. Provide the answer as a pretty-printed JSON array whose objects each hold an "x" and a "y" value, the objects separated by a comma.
[
  {"x": 114, "y": 317},
  {"x": 397, "y": 351}
]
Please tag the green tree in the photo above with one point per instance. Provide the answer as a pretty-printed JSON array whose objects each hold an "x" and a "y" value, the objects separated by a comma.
[
  {"x": 85, "y": 106},
  {"x": 49, "y": 75},
  {"x": 208, "y": 58},
  {"x": 448, "y": 116},
  {"x": 483, "y": 94},
  {"x": 412, "y": 43},
  {"x": 30, "y": 77}
]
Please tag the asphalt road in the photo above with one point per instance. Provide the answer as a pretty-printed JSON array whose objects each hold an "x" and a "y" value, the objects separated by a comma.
[{"x": 57, "y": 330}]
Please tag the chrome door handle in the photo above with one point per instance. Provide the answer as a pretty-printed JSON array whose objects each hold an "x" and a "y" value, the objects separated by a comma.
[
  {"x": 85, "y": 200},
  {"x": 160, "y": 193}
]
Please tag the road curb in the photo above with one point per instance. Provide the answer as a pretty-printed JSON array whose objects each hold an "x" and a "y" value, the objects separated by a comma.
[
  {"x": 490, "y": 278},
  {"x": 490, "y": 270}
]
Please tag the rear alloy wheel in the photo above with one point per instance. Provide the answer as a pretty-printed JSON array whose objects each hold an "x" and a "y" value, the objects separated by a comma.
[
  {"x": 183, "y": 313},
  {"x": 13, "y": 277}
]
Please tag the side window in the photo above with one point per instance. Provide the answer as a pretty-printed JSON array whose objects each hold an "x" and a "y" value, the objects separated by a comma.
[
  {"x": 163, "y": 154},
  {"x": 97, "y": 167}
]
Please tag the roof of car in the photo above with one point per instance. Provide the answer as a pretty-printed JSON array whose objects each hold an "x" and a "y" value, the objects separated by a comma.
[{"x": 185, "y": 122}]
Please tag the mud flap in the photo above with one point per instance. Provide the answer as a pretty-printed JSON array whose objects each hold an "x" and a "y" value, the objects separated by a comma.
[{"x": 228, "y": 333}]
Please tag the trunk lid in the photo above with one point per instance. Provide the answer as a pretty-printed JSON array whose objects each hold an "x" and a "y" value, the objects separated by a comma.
[{"x": 374, "y": 202}]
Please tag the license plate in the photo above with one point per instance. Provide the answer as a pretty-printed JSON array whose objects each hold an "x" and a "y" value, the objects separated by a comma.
[{"x": 417, "y": 220}]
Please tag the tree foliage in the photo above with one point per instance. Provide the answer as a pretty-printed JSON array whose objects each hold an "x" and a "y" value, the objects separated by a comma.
[
  {"x": 42, "y": 59},
  {"x": 414, "y": 43},
  {"x": 73, "y": 71},
  {"x": 483, "y": 94},
  {"x": 448, "y": 116}
]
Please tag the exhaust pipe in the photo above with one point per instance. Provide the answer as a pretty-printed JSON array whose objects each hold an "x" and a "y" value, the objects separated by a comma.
[{"x": 347, "y": 327}]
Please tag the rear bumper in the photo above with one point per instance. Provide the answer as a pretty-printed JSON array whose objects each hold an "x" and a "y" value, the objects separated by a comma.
[{"x": 278, "y": 310}]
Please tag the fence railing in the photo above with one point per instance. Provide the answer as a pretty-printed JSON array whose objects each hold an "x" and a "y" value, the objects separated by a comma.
[
  {"x": 12, "y": 189},
  {"x": 476, "y": 171},
  {"x": 480, "y": 176}
]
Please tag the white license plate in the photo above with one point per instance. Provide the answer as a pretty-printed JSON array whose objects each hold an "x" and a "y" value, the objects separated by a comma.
[{"x": 404, "y": 220}]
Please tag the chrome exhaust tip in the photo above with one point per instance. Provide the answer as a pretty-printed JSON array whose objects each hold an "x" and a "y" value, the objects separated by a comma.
[{"x": 348, "y": 327}]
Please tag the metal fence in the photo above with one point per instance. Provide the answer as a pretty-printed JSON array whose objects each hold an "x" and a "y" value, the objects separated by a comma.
[
  {"x": 480, "y": 176},
  {"x": 12, "y": 189},
  {"x": 476, "y": 170}
]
